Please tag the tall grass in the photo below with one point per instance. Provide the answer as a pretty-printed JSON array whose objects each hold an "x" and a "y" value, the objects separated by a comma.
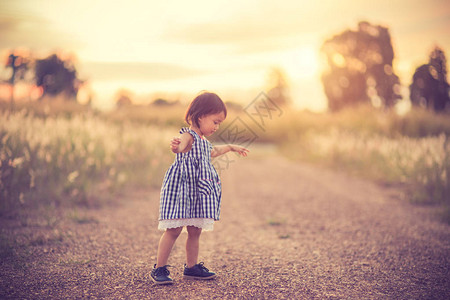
[
  {"x": 163, "y": 116},
  {"x": 75, "y": 159},
  {"x": 413, "y": 149},
  {"x": 366, "y": 120},
  {"x": 420, "y": 163},
  {"x": 63, "y": 152}
]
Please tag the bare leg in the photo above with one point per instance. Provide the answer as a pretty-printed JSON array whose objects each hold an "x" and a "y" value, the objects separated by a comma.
[
  {"x": 192, "y": 245},
  {"x": 165, "y": 245}
]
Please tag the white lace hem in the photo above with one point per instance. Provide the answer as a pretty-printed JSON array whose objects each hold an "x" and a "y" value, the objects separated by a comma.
[{"x": 204, "y": 224}]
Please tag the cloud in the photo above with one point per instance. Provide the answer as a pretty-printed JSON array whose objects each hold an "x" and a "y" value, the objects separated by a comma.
[
  {"x": 136, "y": 71},
  {"x": 234, "y": 37},
  {"x": 262, "y": 29},
  {"x": 20, "y": 28},
  {"x": 274, "y": 25}
]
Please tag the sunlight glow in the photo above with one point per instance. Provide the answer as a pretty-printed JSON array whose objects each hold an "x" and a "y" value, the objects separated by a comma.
[
  {"x": 301, "y": 62},
  {"x": 226, "y": 45}
]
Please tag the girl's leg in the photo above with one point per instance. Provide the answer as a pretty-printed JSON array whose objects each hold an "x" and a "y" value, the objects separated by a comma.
[
  {"x": 165, "y": 245},
  {"x": 192, "y": 245}
]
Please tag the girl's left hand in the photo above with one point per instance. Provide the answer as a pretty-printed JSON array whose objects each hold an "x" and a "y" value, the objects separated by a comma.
[
  {"x": 174, "y": 143},
  {"x": 241, "y": 150}
]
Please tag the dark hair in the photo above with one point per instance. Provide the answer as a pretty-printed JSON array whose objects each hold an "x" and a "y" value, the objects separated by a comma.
[{"x": 204, "y": 104}]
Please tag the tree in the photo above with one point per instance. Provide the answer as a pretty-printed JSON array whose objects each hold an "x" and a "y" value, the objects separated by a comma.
[
  {"x": 19, "y": 65},
  {"x": 278, "y": 89},
  {"x": 360, "y": 68},
  {"x": 56, "y": 76},
  {"x": 124, "y": 98},
  {"x": 429, "y": 87}
]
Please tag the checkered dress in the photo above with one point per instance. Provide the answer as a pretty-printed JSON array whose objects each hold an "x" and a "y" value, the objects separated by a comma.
[{"x": 191, "y": 188}]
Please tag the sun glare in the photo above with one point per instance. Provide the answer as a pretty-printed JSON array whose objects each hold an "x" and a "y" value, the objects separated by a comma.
[
  {"x": 302, "y": 66},
  {"x": 301, "y": 63}
]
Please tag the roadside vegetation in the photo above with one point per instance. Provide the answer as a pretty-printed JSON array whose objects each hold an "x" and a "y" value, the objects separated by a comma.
[{"x": 70, "y": 153}]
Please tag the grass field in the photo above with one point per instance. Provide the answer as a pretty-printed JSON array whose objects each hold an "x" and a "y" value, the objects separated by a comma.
[
  {"x": 79, "y": 159},
  {"x": 58, "y": 152},
  {"x": 411, "y": 150}
]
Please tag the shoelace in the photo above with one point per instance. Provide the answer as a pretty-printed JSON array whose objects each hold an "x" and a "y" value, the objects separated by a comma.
[
  {"x": 162, "y": 270},
  {"x": 201, "y": 265}
]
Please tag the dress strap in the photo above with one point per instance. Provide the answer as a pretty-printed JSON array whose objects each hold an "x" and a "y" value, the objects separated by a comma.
[{"x": 192, "y": 132}]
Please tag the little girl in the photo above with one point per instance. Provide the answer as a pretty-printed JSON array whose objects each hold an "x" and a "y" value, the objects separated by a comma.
[{"x": 191, "y": 190}]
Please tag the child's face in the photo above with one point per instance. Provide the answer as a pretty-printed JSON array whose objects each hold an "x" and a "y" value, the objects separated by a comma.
[{"x": 210, "y": 123}]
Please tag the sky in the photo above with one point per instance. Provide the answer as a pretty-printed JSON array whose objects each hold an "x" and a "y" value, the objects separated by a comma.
[{"x": 178, "y": 48}]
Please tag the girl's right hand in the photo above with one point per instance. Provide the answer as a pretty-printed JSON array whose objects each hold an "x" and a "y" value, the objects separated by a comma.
[{"x": 174, "y": 143}]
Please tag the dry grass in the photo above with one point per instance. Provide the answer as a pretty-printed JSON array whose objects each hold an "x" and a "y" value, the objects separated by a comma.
[
  {"x": 410, "y": 149},
  {"x": 75, "y": 159}
]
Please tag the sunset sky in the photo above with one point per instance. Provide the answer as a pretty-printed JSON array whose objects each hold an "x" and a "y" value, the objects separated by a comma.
[{"x": 182, "y": 47}]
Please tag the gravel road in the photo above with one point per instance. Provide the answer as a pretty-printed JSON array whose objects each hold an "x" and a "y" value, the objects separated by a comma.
[{"x": 287, "y": 231}]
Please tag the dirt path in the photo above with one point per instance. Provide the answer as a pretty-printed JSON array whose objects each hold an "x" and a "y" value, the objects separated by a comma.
[{"x": 287, "y": 231}]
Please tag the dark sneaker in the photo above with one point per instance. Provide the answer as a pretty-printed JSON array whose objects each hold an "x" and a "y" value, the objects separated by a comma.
[
  {"x": 199, "y": 271},
  {"x": 161, "y": 275}
]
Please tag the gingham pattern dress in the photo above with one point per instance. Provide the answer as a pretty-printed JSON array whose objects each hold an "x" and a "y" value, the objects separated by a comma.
[{"x": 191, "y": 190}]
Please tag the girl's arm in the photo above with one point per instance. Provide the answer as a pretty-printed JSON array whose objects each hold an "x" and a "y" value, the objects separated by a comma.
[
  {"x": 222, "y": 149},
  {"x": 181, "y": 144}
]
